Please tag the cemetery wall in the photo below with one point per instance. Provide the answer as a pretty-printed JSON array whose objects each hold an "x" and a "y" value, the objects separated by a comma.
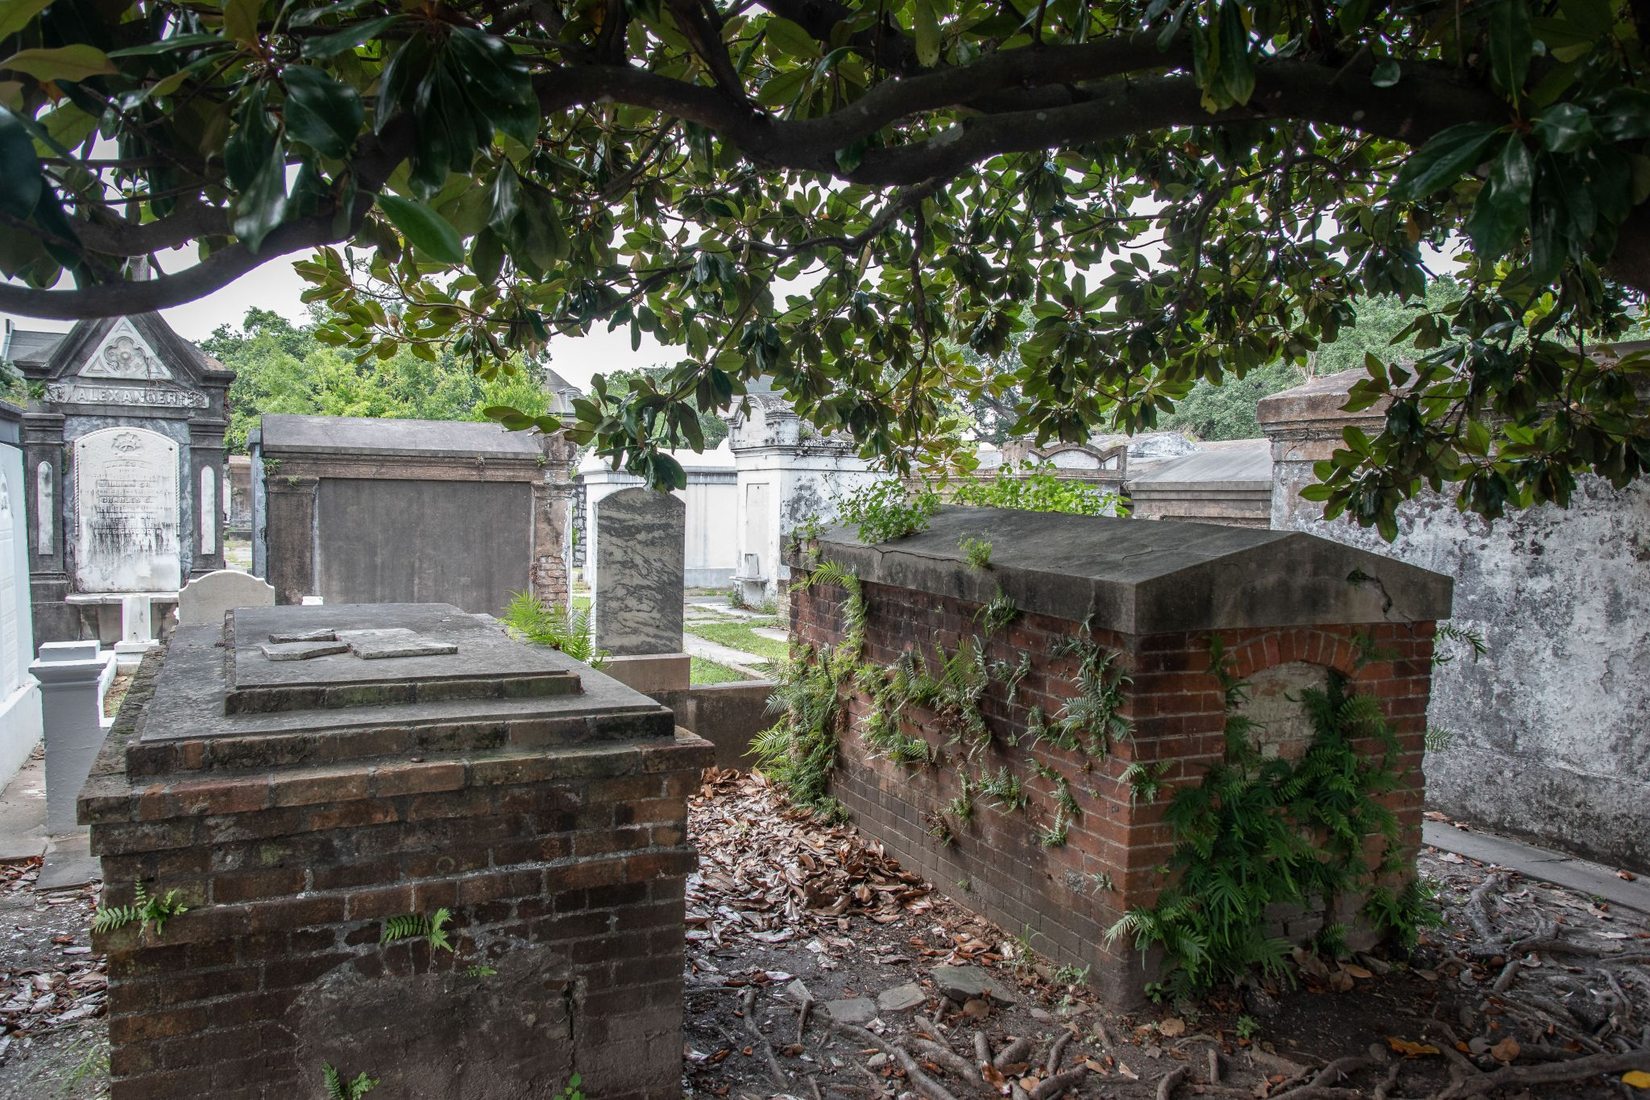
[
  {"x": 1067, "y": 895},
  {"x": 1545, "y": 735}
]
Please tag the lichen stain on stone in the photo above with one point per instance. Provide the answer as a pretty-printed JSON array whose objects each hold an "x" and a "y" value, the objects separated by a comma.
[{"x": 443, "y": 1032}]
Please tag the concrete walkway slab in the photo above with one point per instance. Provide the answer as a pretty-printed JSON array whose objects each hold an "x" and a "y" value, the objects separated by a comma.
[
  {"x": 1570, "y": 872},
  {"x": 69, "y": 863},
  {"x": 23, "y": 812},
  {"x": 736, "y": 659}
]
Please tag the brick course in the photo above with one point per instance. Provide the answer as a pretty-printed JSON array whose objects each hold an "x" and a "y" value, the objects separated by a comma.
[
  {"x": 1066, "y": 897},
  {"x": 558, "y": 866}
]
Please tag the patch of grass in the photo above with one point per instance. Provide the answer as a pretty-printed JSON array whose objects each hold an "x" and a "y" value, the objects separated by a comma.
[
  {"x": 709, "y": 672},
  {"x": 741, "y": 636}
]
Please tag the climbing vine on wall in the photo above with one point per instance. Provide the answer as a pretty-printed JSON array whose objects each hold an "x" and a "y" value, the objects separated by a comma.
[
  {"x": 799, "y": 750},
  {"x": 1258, "y": 831}
]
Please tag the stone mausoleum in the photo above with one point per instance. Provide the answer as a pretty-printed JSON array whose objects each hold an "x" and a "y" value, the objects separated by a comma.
[
  {"x": 311, "y": 779},
  {"x": 124, "y": 463},
  {"x": 362, "y": 510},
  {"x": 1087, "y": 696}
]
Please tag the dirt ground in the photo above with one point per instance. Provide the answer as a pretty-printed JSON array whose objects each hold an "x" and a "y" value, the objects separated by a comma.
[{"x": 1525, "y": 990}]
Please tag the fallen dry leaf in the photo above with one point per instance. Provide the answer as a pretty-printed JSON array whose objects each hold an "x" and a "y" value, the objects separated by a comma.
[
  {"x": 1637, "y": 1078},
  {"x": 1410, "y": 1049},
  {"x": 1507, "y": 1050},
  {"x": 1172, "y": 1026}
]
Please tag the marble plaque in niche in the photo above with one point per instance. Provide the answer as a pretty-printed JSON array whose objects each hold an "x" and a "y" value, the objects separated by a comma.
[
  {"x": 45, "y": 505},
  {"x": 640, "y": 544},
  {"x": 126, "y": 508}
]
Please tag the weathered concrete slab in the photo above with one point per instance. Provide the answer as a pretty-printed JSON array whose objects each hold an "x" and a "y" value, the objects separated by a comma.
[
  {"x": 1149, "y": 578},
  {"x": 332, "y": 435}
]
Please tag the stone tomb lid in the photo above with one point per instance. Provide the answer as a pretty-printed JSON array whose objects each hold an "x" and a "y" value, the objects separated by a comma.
[
  {"x": 1146, "y": 577},
  {"x": 218, "y": 703},
  {"x": 351, "y": 655},
  {"x": 293, "y": 433}
]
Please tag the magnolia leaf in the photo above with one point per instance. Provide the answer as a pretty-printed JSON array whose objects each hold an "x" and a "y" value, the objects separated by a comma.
[
  {"x": 331, "y": 45},
  {"x": 71, "y": 63},
  {"x": 321, "y": 112},
  {"x": 1510, "y": 44},
  {"x": 240, "y": 20},
  {"x": 1450, "y": 154},
  {"x": 16, "y": 14},
  {"x": 20, "y": 179},
  {"x": 926, "y": 24},
  {"x": 1564, "y": 128},
  {"x": 790, "y": 38},
  {"x": 424, "y": 229}
]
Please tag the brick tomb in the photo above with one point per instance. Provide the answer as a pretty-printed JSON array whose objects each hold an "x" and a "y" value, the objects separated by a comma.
[
  {"x": 1083, "y": 839},
  {"x": 303, "y": 775}
]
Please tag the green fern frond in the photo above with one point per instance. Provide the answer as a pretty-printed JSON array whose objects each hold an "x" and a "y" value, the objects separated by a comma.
[
  {"x": 416, "y": 926},
  {"x": 340, "y": 1089}
]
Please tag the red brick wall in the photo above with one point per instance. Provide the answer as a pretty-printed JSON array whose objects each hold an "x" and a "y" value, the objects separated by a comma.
[
  {"x": 1066, "y": 897},
  {"x": 564, "y": 870}
]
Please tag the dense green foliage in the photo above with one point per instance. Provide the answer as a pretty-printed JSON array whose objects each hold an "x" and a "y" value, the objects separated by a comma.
[
  {"x": 712, "y": 428},
  {"x": 1227, "y": 411},
  {"x": 283, "y": 368},
  {"x": 1260, "y": 831},
  {"x": 1037, "y": 487},
  {"x": 886, "y": 509},
  {"x": 840, "y": 195}
]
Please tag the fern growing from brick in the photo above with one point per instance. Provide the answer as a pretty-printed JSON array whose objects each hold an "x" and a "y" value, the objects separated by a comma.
[
  {"x": 146, "y": 909},
  {"x": 1261, "y": 831},
  {"x": 416, "y": 926},
  {"x": 340, "y": 1088}
]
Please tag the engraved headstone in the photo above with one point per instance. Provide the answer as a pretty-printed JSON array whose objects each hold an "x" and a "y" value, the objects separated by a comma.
[
  {"x": 126, "y": 505},
  {"x": 639, "y": 551}
]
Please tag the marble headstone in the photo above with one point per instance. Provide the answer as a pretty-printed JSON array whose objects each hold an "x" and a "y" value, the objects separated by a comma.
[
  {"x": 206, "y": 599},
  {"x": 640, "y": 536},
  {"x": 126, "y": 505}
]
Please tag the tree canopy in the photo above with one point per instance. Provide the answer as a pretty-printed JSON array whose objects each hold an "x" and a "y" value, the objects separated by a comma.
[
  {"x": 281, "y": 367},
  {"x": 839, "y": 195}
]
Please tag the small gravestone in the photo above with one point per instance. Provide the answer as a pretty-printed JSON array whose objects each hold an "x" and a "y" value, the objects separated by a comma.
[
  {"x": 205, "y": 600},
  {"x": 639, "y": 553}
]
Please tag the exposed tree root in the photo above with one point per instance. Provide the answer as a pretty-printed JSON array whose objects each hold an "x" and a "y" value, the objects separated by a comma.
[
  {"x": 914, "y": 1073},
  {"x": 1548, "y": 1073},
  {"x": 1056, "y": 1052},
  {"x": 1016, "y": 1051},
  {"x": 1166, "y": 1087},
  {"x": 776, "y": 1071},
  {"x": 1060, "y": 1082}
]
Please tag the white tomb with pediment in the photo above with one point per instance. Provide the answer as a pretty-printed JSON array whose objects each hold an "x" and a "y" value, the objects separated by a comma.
[{"x": 124, "y": 456}]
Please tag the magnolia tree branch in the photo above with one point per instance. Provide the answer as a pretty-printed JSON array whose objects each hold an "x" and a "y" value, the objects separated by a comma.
[{"x": 1039, "y": 99}]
